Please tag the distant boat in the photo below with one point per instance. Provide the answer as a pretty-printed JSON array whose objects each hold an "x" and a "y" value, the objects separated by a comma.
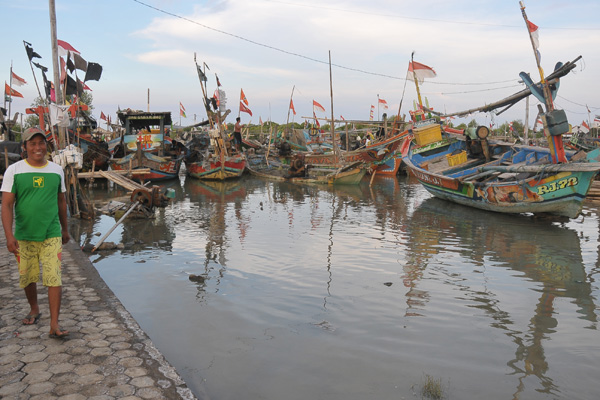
[
  {"x": 274, "y": 169},
  {"x": 145, "y": 135}
]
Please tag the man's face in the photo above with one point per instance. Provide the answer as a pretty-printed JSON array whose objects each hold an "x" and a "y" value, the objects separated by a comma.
[{"x": 36, "y": 149}]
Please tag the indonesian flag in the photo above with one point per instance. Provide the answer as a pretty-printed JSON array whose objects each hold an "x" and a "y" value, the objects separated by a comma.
[
  {"x": 317, "y": 106},
  {"x": 585, "y": 125},
  {"x": 64, "y": 48},
  {"x": 382, "y": 101},
  {"x": 292, "y": 106},
  {"x": 245, "y": 109},
  {"x": 260, "y": 121},
  {"x": 316, "y": 120},
  {"x": 422, "y": 71},
  {"x": 243, "y": 97},
  {"x": 17, "y": 80},
  {"x": 10, "y": 91},
  {"x": 533, "y": 31},
  {"x": 102, "y": 116},
  {"x": 597, "y": 119},
  {"x": 182, "y": 110}
]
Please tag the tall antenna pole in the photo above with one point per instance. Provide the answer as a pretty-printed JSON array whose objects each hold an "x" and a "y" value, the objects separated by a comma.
[{"x": 57, "y": 91}]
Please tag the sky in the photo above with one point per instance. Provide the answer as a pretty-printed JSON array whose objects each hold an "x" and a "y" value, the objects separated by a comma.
[{"x": 276, "y": 50}]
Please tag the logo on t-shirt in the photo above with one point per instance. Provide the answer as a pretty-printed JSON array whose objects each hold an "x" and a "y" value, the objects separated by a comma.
[{"x": 38, "y": 181}]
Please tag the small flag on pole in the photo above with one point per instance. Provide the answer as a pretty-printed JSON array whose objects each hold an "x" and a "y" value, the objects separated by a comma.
[
  {"x": 243, "y": 97},
  {"x": 245, "y": 109},
  {"x": 10, "y": 91},
  {"x": 17, "y": 80},
  {"x": 385, "y": 104},
  {"x": 102, "y": 116},
  {"x": 292, "y": 106},
  {"x": 182, "y": 110},
  {"x": 317, "y": 106}
]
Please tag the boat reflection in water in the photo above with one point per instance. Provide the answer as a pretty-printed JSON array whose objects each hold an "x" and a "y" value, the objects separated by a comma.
[{"x": 543, "y": 254}]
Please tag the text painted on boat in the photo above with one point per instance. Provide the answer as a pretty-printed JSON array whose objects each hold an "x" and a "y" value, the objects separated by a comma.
[{"x": 557, "y": 185}]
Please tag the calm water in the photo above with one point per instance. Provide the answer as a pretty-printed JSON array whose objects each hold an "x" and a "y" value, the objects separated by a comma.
[{"x": 359, "y": 293}]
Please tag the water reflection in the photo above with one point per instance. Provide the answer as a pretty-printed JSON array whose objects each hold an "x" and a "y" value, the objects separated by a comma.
[{"x": 544, "y": 254}]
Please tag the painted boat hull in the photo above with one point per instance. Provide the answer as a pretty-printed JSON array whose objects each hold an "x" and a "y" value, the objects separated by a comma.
[
  {"x": 160, "y": 168},
  {"x": 560, "y": 193},
  {"x": 217, "y": 169}
]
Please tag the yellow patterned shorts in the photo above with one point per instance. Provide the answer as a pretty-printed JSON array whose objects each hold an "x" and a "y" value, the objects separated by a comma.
[{"x": 47, "y": 253}]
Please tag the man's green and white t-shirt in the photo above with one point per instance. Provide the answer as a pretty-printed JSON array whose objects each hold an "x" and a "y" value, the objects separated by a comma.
[{"x": 36, "y": 192}]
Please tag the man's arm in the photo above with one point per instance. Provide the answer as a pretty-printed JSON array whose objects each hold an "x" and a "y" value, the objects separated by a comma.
[
  {"x": 62, "y": 216},
  {"x": 8, "y": 202}
]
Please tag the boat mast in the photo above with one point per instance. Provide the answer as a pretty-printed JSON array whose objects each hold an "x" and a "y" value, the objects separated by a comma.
[
  {"x": 416, "y": 80},
  {"x": 288, "y": 116},
  {"x": 333, "y": 139},
  {"x": 58, "y": 92}
]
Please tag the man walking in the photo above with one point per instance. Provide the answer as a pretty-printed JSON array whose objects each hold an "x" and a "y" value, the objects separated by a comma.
[{"x": 33, "y": 195}]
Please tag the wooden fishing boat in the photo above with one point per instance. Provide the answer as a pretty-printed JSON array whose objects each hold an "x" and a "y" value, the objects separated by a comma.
[
  {"x": 479, "y": 172},
  {"x": 211, "y": 156},
  {"x": 144, "y": 135},
  {"x": 275, "y": 169},
  {"x": 503, "y": 177}
]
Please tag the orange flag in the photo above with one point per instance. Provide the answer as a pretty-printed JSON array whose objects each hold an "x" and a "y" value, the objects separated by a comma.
[
  {"x": 292, "y": 106},
  {"x": 243, "y": 97},
  {"x": 12, "y": 92}
]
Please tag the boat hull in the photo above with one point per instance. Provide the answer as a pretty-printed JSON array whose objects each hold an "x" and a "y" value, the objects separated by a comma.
[
  {"x": 559, "y": 192},
  {"x": 217, "y": 169},
  {"x": 160, "y": 168}
]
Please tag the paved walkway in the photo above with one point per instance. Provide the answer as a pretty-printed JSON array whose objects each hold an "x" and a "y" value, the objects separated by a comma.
[{"x": 108, "y": 356}]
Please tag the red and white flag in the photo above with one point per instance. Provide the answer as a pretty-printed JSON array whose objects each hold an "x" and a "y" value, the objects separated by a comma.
[
  {"x": 382, "y": 101},
  {"x": 585, "y": 125},
  {"x": 316, "y": 120},
  {"x": 245, "y": 109},
  {"x": 317, "y": 106},
  {"x": 102, "y": 116},
  {"x": 260, "y": 121},
  {"x": 64, "y": 48},
  {"x": 182, "y": 110},
  {"x": 292, "y": 106},
  {"x": 421, "y": 71},
  {"x": 10, "y": 91},
  {"x": 243, "y": 97},
  {"x": 533, "y": 30},
  {"x": 17, "y": 80},
  {"x": 342, "y": 117}
]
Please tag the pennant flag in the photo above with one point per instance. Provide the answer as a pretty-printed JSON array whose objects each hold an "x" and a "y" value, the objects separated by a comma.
[
  {"x": 30, "y": 53},
  {"x": 243, "y": 97},
  {"x": 94, "y": 72},
  {"x": 85, "y": 87},
  {"x": 318, "y": 106},
  {"x": 245, "y": 109},
  {"x": 102, "y": 116},
  {"x": 316, "y": 120},
  {"x": 584, "y": 124},
  {"x": 597, "y": 119},
  {"x": 292, "y": 106},
  {"x": 533, "y": 30},
  {"x": 70, "y": 65},
  {"x": 372, "y": 110},
  {"x": 10, "y": 91},
  {"x": 385, "y": 104},
  {"x": 17, "y": 80},
  {"x": 260, "y": 121},
  {"x": 63, "y": 70},
  {"x": 64, "y": 48},
  {"x": 218, "y": 82},
  {"x": 80, "y": 63},
  {"x": 182, "y": 110},
  {"x": 41, "y": 67},
  {"x": 342, "y": 117},
  {"x": 422, "y": 71},
  {"x": 201, "y": 74}
]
